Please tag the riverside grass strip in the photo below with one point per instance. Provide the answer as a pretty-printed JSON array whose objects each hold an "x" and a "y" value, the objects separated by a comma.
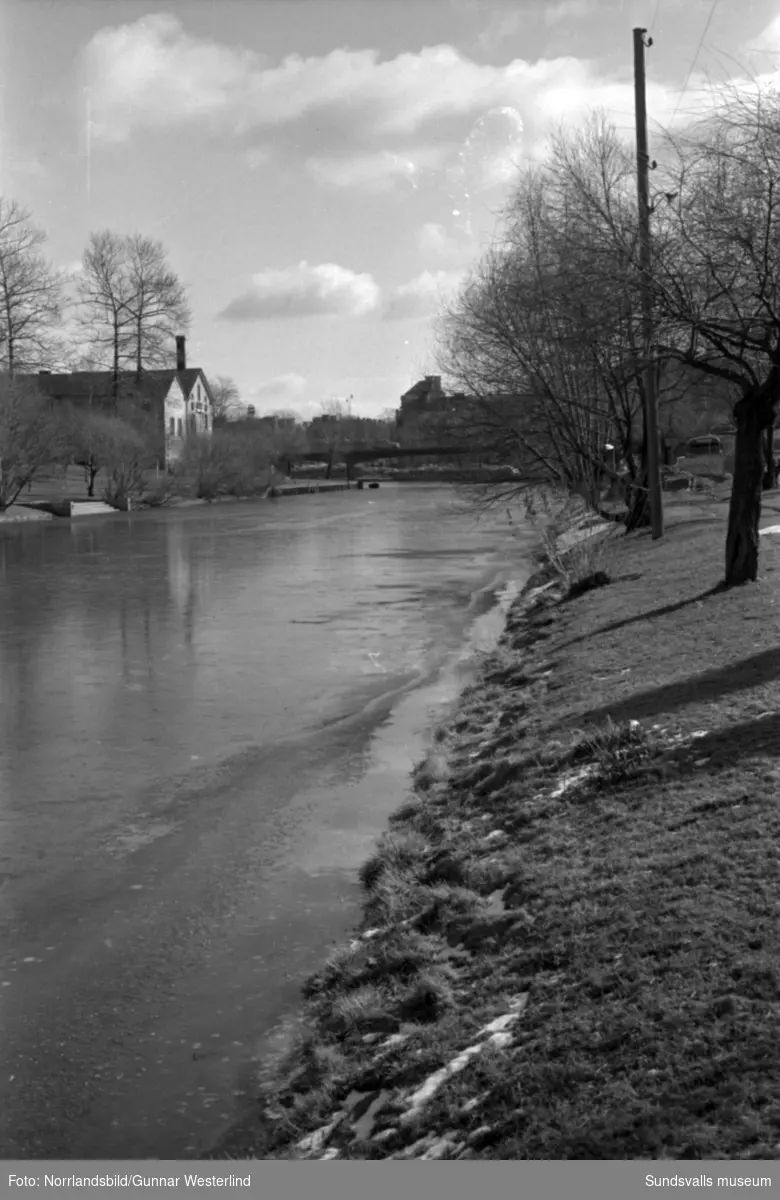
[{"x": 592, "y": 865}]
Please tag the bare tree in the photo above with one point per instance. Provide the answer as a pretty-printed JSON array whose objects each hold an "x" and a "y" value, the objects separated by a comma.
[
  {"x": 128, "y": 447},
  {"x": 93, "y": 439},
  {"x": 212, "y": 466},
  {"x": 690, "y": 404},
  {"x": 544, "y": 341},
  {"x": 717, "y": 284},
  {"x": 287, "y": 442},
  {"x": 157, "y": 303},
  {"x": 225, "y": 395},
  {"x": 105, "y": 291},
  {"x": 132, "y": 304},
  {"x": 30, "y": 291},
  {"x": 328, "y": 433},
  {"x": 32, "y": 436},
  {"x": 554, "y": 313}
]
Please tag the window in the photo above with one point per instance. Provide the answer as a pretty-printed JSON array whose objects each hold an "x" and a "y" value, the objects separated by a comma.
[
  {"x": 172, "y": 427},
  {"x": 179, "y": 426}
]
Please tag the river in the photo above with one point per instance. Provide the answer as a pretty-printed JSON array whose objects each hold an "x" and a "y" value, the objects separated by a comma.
[{"x": 206, "y": 716}]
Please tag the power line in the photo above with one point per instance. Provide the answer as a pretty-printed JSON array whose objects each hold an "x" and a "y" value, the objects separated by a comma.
[{"x": 693, "y": 61}]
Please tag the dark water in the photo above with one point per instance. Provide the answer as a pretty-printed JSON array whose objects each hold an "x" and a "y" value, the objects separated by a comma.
[{"x": 205, "y": 717}]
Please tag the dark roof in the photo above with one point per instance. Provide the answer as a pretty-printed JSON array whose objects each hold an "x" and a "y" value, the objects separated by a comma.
[
  {"x": 98, "y": 385},
  {"x": 187, "y": 379},
  {"x": 430, "y": 387}
]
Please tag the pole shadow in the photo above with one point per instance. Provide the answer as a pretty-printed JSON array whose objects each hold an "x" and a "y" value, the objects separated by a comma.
[
  {"x": 703, "y": 688},
  {"x": 663, "y": 611}
]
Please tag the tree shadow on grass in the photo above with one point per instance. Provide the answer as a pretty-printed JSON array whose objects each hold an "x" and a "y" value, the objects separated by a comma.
[
  {"x": 663, "y": 611},
  {"x": 697, "y": 689},
  {"x": 752, "y": 738}
]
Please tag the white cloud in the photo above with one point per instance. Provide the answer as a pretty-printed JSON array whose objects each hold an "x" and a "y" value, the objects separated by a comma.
[
  {"x": 377, "y": 172},
  {"x": 305, "y": 291},
  {"x": 769, "y": 38},
  {"x": 433, "y": 239},
  {"x": 502, "y": 25},
  {"x": 421, "y": 296},
  {"x": 152, "y": 74},
  {"x": 257, "y": 156},
  {"x": 567, "y": 10},
  {"x": 281, "y": 387},
  {"x": 25, "y": 167}
]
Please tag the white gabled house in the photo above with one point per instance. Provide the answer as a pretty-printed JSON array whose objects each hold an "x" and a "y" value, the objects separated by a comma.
[
  {"x": 179, "y": 398},
  {"x": 188, "y": 406}
]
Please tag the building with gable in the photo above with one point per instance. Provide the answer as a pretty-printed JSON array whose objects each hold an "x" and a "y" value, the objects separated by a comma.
[{"x": 178, "y": 398}]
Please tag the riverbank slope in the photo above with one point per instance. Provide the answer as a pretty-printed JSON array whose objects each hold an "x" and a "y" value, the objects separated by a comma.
[{"x": 570, "y": 938}]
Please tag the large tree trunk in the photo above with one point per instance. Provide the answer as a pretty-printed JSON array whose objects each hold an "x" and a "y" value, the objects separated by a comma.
[
  {"x": 138, "y": 354},
  {"x": 770, "y": 470},
  {"x": 115, "y": 371},
  {"x": 752, "y": 415},
  {"x": 638, "y": 494},
  {"x": 638, "y": 501}
]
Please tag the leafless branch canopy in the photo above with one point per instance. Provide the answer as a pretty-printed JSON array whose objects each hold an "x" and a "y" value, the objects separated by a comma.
[
  {"x": 131, "y": 303},
  {"x": 30, "y": 291}
]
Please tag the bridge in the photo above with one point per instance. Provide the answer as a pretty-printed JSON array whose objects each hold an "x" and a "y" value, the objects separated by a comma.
[{"x": 372, "y": 453}]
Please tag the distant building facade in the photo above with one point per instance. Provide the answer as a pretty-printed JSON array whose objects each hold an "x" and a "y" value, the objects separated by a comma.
[
  {"x": 178, "y": 398},
  {"x": 428, "y": 416},
  {"x": 271, "y": 420},
  {"x": 426, "y": 411}
]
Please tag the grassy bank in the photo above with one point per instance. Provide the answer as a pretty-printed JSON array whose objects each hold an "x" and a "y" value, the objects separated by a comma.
[{"x": 571, "y": 938}]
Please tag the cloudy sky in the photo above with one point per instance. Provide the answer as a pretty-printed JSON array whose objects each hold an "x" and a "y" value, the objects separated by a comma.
[{"x": 322, "y": 171}]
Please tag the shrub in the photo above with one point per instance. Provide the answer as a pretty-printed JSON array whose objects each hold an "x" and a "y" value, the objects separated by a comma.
[
  {"x": 573, "y": 540},
  {"x": 125, "y": 457},
  {"x": 160, "y": 492},
  {"x": 617, "y": 751},
  {"x": 228, "y": 463},
  {"x": 32, "y": 436}
]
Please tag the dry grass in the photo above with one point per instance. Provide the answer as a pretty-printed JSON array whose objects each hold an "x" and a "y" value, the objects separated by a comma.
[
  {"x": 606, "y": 840},
  {"x": 573, "y": 547}
]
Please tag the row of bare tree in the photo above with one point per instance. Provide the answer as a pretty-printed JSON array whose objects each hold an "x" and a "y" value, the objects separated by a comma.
[
  {"x": 546, "y": 333},
  {"x": 119, "y": 311},
  {"x": 124, "y": 301}
]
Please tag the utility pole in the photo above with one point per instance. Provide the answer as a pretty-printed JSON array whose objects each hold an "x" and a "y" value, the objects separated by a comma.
[{"x": 645, "y": 265}]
